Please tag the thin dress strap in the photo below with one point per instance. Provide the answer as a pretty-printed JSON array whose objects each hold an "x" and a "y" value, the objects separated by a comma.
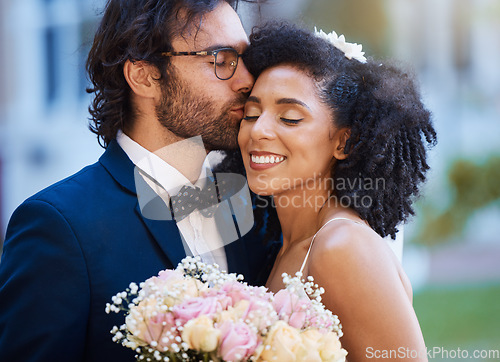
[{"x": 314, "y": 237}]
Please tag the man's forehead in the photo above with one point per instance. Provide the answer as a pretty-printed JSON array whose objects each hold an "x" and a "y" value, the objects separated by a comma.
[{"x": 217, "y": 29}]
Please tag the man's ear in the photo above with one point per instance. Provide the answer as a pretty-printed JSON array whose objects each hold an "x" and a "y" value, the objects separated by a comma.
[
  {"x": 340, "y": 139},
  {"x": 142, "y": 78}
]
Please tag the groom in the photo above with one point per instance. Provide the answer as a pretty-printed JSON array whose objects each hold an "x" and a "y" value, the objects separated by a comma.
[{"x": 169, "y": 85}]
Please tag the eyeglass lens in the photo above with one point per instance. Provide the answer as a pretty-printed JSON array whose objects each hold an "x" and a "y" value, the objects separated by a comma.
[{"x": 226, "y": 61}]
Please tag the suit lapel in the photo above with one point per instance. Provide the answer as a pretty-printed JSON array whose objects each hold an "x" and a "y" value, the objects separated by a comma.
[
  {"x": 119, "y": 166},
  {"x": 236, "y": 254},
  {"x": 154, "y": 213},
  {"x": 166, "y": 235}
]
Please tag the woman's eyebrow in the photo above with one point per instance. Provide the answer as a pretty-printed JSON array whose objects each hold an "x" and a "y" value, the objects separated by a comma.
[
  {"x": 253, "y": 99},
  {"x": 292, "y": 101}
]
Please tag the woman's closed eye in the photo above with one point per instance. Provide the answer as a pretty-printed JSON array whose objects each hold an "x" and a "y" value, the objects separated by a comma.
[
  {"x": 291, "y": 121},
  {"x": 250, "y": 118},
  {"x": 291, "y": 117}
]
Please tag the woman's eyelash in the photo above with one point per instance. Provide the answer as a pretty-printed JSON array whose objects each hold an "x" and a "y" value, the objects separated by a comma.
[
  {"x": 286, "y": 120},
  {"x": 291, "y": 121}
]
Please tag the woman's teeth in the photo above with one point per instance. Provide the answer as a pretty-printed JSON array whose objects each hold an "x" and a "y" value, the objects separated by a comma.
[{"x": 267, "y": 159}]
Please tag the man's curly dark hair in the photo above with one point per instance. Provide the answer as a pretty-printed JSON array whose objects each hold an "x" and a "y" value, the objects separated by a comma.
[
  {"x": 380, "y": 103},
  {"x": 135, "y": 30}
]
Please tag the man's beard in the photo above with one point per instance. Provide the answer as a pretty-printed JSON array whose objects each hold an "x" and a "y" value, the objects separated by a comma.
[{"x": 187, "y": 115}]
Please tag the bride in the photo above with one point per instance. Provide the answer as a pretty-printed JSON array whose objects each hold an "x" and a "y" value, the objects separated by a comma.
[{"x": 338, "y": 143}]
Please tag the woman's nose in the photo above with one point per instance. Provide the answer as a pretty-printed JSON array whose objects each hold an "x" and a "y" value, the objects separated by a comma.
[{"x": 263, "y": 128}]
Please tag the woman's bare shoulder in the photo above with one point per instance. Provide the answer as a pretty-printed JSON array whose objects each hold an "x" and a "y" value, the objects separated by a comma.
[
  {"x": 363, "y": 285},
  {"x": 352, "y": 253},
  {"x": 347, "y": 240}
]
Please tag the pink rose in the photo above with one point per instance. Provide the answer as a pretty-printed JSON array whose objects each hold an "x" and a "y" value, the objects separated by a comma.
[
  {"x": 238, "y": 342},
  {"x": 161, "y": 280},
  {"x": 195, "y": 307},
  {"x": 291, "y": 308},
  {"x": 322, "y": 323},
  {"x": 161, "y": 328},
  {"x": 224, "y": 300},
  {"x": 169, "y": 274},
  {"x": 147, "y": 326},
  {"x": 258, "y": 312},
  {"x": 236, "y": 291},
  {"x": 173, "y": 287}
]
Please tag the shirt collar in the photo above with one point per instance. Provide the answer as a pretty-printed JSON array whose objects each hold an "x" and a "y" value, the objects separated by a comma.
[{"x": 157, "y": 169}]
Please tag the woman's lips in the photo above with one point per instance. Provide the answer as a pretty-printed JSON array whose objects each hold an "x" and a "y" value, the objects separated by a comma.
[{"x": 265, "y": 160}]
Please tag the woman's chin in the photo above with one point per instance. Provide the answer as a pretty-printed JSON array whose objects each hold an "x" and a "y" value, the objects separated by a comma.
[{"x": 261, "y": 191}]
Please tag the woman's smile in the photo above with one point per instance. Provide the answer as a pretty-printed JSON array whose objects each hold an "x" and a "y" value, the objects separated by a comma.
[{"x": 260, "y": 160}]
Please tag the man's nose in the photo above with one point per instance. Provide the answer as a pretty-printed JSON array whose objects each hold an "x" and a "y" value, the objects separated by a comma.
[{"x": 242, "y": 79}]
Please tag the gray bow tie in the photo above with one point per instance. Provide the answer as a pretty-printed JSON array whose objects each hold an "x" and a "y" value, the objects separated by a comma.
[{"x": 191, "y": 198}]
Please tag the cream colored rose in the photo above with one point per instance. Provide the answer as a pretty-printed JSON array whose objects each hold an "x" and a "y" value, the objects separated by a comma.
[
  {"x": 176, "y": 291},
  {"x": 309, "y": 349},
  {"x": 235, "y": 313},
  {"x": 200, "y": 334},
  {"x": 173, "y": 287},
  {"x": 330, "y": 348},
  {"x": 137, "y": 318},
  {"x": 281, "y": 344}
]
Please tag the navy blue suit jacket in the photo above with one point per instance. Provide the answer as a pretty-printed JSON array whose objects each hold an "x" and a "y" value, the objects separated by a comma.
[{"x": 71, "y": 247}]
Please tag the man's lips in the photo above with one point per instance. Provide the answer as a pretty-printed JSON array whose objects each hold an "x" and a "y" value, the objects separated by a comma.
[{"x": 238, "y": 111}]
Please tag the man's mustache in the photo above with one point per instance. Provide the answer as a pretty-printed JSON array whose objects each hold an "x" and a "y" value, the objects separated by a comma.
[{"x": 239, "y": 101}]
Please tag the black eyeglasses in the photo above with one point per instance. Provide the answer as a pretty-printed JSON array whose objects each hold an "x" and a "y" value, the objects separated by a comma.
[{"x": 225, "y": 60}]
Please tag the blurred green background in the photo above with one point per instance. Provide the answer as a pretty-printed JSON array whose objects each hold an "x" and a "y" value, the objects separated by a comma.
[{"x": 452, "y": 246}]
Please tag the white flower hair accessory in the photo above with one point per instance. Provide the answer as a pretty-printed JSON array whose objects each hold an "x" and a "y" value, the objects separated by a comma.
[{"x": 351, "y": 50}]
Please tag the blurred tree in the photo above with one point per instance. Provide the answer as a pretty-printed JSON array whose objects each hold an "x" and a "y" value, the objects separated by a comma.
[
  {"x": 473, "y": 186},
  {"x": 361, "y": 21}
]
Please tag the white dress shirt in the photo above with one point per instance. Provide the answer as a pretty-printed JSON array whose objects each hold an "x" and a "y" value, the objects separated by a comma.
[{"x": 199, "y": 233}]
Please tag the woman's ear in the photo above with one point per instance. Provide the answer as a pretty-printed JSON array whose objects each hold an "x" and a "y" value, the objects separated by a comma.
[
  {"x": 142, "y": 78},
  {"x": 339, "y": 141}
]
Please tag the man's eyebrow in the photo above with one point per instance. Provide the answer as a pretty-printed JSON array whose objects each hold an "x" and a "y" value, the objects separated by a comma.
[
  {"x": 253, "y": 99},
  {"x": 220, "y": 46},
  {"x": 292, "y": 101},
  {"x": 216, "y": 46}
]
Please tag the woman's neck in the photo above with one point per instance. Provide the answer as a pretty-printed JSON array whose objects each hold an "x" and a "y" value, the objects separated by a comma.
[
  {"x": 299, "y": 212},
  {"x": 302, "y": 212}
]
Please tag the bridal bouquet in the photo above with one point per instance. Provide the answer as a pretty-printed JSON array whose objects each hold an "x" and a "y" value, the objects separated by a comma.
[{"x": 199, "y": 313}]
